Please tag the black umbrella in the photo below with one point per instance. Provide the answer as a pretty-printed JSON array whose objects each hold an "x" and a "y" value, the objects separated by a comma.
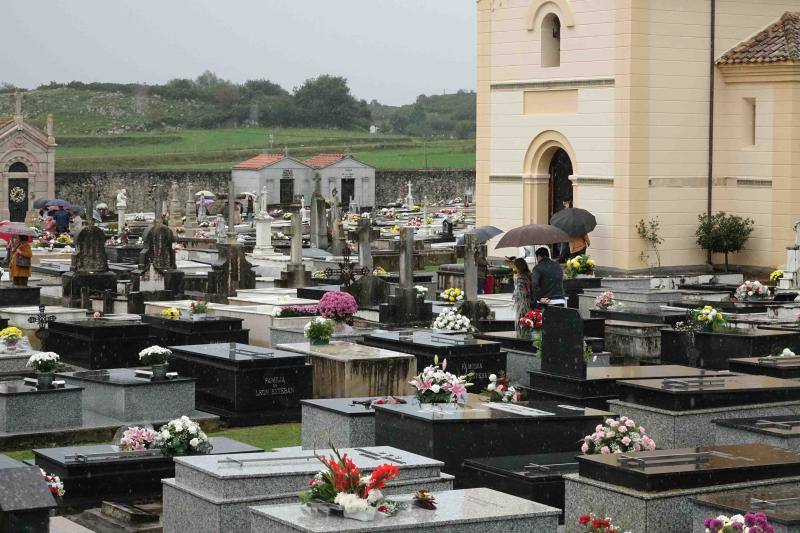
[
  {"x": 482, "y": 234},
  {"x": 574, "y": 221},
  {"x": 532, "y": 234},
  {"x": 39, "y": 203}
]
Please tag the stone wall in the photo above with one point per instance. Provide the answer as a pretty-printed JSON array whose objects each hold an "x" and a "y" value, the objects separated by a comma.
[{"x": 390, "y": 185}]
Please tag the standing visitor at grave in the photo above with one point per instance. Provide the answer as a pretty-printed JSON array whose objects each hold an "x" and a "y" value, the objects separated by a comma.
[
  {"x": 482, "y": 267},
  {"x": 62, "y": 220},
  {"x": 50, "y": 224},
  {"x": 578, "y": 245},
  {"x": 20, "y": 262},
  {"x": 522, "y": 291},
  {"x": 250, "y": 209},
  {"x": 547, "y": 280}
]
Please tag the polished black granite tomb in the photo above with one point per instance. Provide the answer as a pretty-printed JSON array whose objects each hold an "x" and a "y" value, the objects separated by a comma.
[
  {"x": 126, "y": 377},
  {"x": 208, "y": 330},
  {"x": 600, "y": 384},
  {"x": 463, "y": 352},
  {"x": 777, "y": 367},
  {"x": 128, "y": 253},
  {"x": 688, "y": 394},
  {"x": 713, "y": 349},
  {"x": 101, "y": 472},
  {"x": 685, "y": 468},
  {"x": 536, "y": 477},
  {"x": 479, "y": 429},
  {"x": 25, "y": 500},
  {"x": 574, "y": 287},
  {"x": 247, "y": 384},
  {"x": 19, "y": 296},
  {"x": 510, "y": 341},
  {"x": 783, "y": 426},
  {"x": 780, "y": 505},
  {"x": 97, "y": 343}
]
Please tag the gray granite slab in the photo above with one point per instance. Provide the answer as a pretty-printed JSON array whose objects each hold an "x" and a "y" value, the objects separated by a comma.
[
  {"x": 631, "y": 510},
  {"x": 518, "y": 364},
  {"x": 479, "y": 510},
  {"x": 273, "y": 472},
  {"x": 680, "y": 429},
  {"x": 119, "y": 393},
  {"x": 25, "y": 409},
  {"x": 188, "y": 510},
  {"x": 297, "y": 335}
]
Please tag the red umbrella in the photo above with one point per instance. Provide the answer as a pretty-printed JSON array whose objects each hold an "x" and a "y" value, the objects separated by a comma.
[{"x": 8, "y": 229}]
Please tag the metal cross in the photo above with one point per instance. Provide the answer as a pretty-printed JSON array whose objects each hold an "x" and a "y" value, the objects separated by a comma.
[
  {"x": 347, "y": 270},
  {"x": 42, "y": 319}
]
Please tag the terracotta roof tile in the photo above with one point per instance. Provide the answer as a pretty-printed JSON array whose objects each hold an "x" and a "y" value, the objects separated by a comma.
[
  {"x": 779, "y": 42},
  {"x": 258, "y": 162},
  {"x": 323, "y": 160}
]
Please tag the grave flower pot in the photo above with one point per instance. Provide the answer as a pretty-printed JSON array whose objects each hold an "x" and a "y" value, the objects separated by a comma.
[
  {"x": 44, "y": 380},
  {"x": 320, "y": 342},
  {"x": 159, "y": 371},
  {"x": 198, "y": 316},
  {"x": 343, "y": 327},
  {"x": 11, "y": 346},
  {"x": 577, "y": 276},
  {"x": 364, "y": 516}
]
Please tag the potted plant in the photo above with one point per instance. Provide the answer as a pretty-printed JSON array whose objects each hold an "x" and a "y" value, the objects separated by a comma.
[
  {"x": 451, "y": 320},
  {"x": 171, "y": 313},
  {"x": 617, "y": 436},
  {"x": 530, "y": 324},
  {"x": 452, "y": 295},
  {"x": 435, "y": 386},
  {"x": 198, "y": 310},
  {"x": 500, "y": 389},
  {"x": 54, "y": 484},
  {"x": 605, "y": 300},
  {"x": 11, "y": 335},
  {"x": 182, "y": 436},
  {"x": 44, "y": 363},
  {"x": 581, "y": 266},
  {"x": 341, "y": 487},
  {"x": 136, "y": 439},
  {"x": 421, "y": 292},
  {"x": 338, "y": 306},
  {"x": 157, "y": 357},
  {"x": 751, "y": 290},
  {"x": 775, "y": 277},
  {"x": 594, "y": 524},
  {"x": 749, "y": 523},
  {"x": 319, "y": 331}
]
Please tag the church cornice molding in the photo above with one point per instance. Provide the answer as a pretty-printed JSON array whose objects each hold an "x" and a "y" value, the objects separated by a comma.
[
  {"x": 28, "y": 131},
  {"x": 788, "y": 71}
]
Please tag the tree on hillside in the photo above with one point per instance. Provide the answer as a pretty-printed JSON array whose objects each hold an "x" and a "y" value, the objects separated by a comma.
[
  {"x": 326, "y": 101},
  {"x": 261, "y": 87}
]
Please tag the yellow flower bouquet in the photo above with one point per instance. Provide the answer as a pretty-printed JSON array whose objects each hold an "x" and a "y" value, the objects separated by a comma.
[
  {"x": 452, "y": 295},
  {"x": 171, "y": 313},
  {"x": 11, "y": 334},
  {"x": 582, "y": 264}
]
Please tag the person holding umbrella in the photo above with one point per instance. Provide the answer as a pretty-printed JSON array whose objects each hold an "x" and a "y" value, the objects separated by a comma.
[
  {"x": 20, "y": 262},
  {"x": 577, "y": 223}
]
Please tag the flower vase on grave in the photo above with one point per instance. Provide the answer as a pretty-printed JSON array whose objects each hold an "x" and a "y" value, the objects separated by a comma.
[
  {"x": 198, "y": 316},
  {"x": 343, "y": 327},
  {"x": 319, "y": 342},
  {"x": 11, "y": 346},
  {"x": 584, "y": 275},
  {"x": 367, "y": 515},
  {"x": 159, "y": 371},
  {"x": 44, "y": 380}
]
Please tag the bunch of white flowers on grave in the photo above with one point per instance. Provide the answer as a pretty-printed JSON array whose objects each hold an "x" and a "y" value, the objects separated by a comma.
[
  {"x": 435, "y": 385},
  {"x": 155, "y": 355},
  {"x": 452, "y": 320},
  {"x": 43, "y": 361},
  {"x": 421, "y": 291},
  {"x": 182, "y": 436},
  {"x": 752, "y": 290}
]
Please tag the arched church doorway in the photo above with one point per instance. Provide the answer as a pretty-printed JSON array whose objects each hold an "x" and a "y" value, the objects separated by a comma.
[
  {"x": 17, "y": 191},
  {"x": 560, "y": 170}
]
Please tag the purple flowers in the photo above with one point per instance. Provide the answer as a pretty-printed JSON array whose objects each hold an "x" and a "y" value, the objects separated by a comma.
[
  {"x": 337, "y": 305},
  {"x": 749, "y": 523},
  {"x": 295, "y": 311}
]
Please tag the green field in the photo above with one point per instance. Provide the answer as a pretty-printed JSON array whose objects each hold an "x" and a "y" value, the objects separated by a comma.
[{"x": 221, "y": 148}]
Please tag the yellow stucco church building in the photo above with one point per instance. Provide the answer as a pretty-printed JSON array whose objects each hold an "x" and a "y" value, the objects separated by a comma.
[{"x": 635, "y": 109}]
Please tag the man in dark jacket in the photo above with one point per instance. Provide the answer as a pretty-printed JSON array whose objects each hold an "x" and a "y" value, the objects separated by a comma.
[
  {"x": 62, "y": 220},
  {"x": 547, "y": 280}
]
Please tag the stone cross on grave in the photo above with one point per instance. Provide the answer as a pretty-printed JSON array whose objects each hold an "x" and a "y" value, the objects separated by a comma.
[
  {"x": 347, "y": 270},
  {"x": 43, "y": 320},
  {"x": 158, "y": 195},
  {"x": 365, "y": 238},
  {"x": 90, "y": 199}
]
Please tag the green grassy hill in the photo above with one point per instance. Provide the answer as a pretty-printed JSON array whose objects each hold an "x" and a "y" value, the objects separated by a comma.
[{"x": 109, "y": 130}]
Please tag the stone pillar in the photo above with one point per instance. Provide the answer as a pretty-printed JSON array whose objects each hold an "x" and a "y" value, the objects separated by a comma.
[
  {"x": 406, "y": 258},
  {"x": 175, "y": 207},
  {"x": 365, "y": 243},
  {"x": 191, "y": 217},
  {"x": 263, "y": 246},
  {"x": 296, "y": 251},
  {"x": 120, "y": 217},
  {"x": 232, "y": 213},
  {"x": 337, "y": 233},
  {"x": 470, "y": 268}
]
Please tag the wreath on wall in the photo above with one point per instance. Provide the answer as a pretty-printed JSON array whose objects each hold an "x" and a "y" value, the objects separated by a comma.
[{"x": 17, "y": 195}]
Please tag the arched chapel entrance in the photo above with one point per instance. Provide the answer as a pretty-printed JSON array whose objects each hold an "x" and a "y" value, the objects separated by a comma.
[
  {"x": 18, "y": 191},
  {"x": 549, "y": 163},
  {"x": 560, "y": 184}
]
